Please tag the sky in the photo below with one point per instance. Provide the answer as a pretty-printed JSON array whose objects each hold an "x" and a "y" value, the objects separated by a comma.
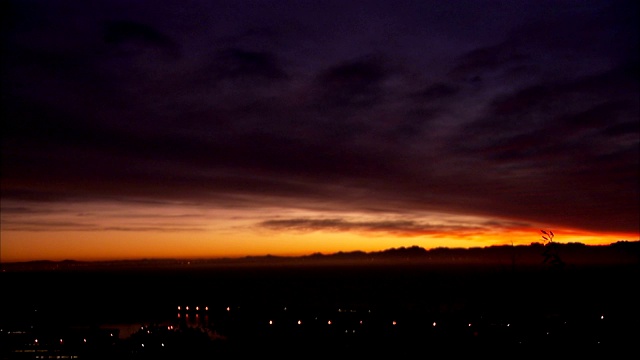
[{"x": 198, "y": 128}]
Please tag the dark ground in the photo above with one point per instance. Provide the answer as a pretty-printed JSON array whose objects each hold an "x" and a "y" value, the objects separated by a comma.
[{"x": 522, "y": 310}]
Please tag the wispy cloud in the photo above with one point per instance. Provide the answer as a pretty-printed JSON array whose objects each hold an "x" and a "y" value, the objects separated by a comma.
[{"x": 395, "y": 227}]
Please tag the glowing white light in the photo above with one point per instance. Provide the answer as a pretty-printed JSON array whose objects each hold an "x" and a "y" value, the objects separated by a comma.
[
  {"x": 228, "y": 308},
  {"x": 85, "y": 340},
  {"x": 197, "y": 308},
  {"x": 36, "y": 341},
  {"x": 142, "y": 345},
  {"x": 601, "y": 317},
  {"x": 360, "y": 322},
  {"x": 206, "y": 308},
  {"x": 162, "y": 344},
  {"x": 394, "y": 322},
  {"x": 299, "y": 322},
  {"x": 469, "y": 324},
  {"x": 434, "y": 324},
  {"x": 179, "y": 308},
  {"x": 329, "y": 322},
  {"x": 270, "y": 322},
  {"x": 187, "y": 308}
]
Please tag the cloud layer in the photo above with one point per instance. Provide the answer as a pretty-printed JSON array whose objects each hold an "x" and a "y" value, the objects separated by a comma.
[{"x": 525, "y": 111}]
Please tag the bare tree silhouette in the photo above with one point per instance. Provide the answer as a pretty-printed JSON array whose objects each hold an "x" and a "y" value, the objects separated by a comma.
[{"x": 550, "y": 252}]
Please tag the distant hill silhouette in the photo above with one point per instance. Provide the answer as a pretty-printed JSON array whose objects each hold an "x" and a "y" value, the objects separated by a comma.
[{"x": 573, "y": 254}]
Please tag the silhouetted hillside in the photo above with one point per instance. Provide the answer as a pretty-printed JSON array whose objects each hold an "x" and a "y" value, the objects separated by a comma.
[{"x": 573, "y": 254}]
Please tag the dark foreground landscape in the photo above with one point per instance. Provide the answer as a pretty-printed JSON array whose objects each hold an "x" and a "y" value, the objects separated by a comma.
[{"x": 406, "y": 303}]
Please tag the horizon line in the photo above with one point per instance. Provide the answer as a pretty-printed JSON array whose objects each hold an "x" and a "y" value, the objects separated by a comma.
[{"x": 307, "y": 255}]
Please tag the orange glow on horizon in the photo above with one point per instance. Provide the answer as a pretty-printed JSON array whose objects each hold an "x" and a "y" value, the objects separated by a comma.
[
  {"x": 114, "y": 231},
  {"x": 114, "y": 245}
]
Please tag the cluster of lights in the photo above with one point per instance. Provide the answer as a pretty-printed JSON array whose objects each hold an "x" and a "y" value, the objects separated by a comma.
[
  {"x": 161, "y": 344},
  {"x": 196, "y": 308},
  {"x": 329, "y": 322},
  {"x": 186, "y": 310},
  {"x": 299, "y": 322},
  {"x": 60, "y": 341}
]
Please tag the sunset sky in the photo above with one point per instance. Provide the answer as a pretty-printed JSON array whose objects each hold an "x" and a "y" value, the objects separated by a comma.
[{"x": 197, "y": 128}]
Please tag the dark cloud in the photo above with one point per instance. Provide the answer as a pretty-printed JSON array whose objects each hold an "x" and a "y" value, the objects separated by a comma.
[
  {"x": 254, "y": 65},
  {"x": 436, "y": 92},
  {"x": 354, "y": 83},
  {"x": 119, "y": 32},
  {"x": 397, "y": 227},
  {"x": 558, "y": 144},
  {"x": 40, "y": 225},
  {"x": 43, "y": 225},
  {"x": 501, "y": 59}
]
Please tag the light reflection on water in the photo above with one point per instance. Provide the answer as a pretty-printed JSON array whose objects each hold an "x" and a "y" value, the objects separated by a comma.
[
  {"x": 181, "y": 320},
  {"x": 125, "y": 330}
]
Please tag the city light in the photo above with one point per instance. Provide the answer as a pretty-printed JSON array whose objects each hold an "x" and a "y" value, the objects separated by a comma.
[{"x": 159, "y": 332}]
